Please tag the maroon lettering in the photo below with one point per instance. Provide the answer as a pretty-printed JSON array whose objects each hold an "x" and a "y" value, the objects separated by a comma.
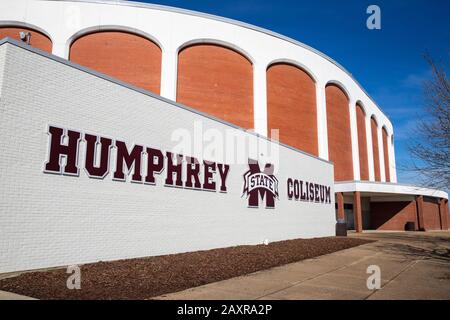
[
  {"x": 64, "y": 144},
  {"x": 223, "y": 172},
  {"x": 210, "y": 169},
  {"x": 91, "y": 155},
  {"x": 290, "y": 184},
  {"x": 59, "y": 150},
  {"x": 152, "y": 166},
  {"x": 327, "y": 194},
  {"x": 302, "y": 192},
  {"x": 132, "y": 161},
  {"x": 174, "y": 169},
  {"x": 311, "y": 191},
  {"x": 296, "y": 190},
  {"x": 193, "y": 171},
  {"x": 308, "y": 191}
]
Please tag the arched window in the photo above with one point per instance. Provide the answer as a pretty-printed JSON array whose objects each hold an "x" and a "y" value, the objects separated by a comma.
[
  {"x": 37, "y": 38},
  {"x": 218, "y": 81},
  {"x": 362, "y": 142},
  {"x": 291, "y": 106},
  {"x": 126, "y": 56},
  {"x": 339, "y": 134}
]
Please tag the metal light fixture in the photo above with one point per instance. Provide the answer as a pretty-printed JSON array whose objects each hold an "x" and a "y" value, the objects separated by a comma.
[{"x": 25, "y": 37}]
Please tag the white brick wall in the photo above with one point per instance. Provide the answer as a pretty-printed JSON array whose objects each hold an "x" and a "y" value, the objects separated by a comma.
[
  {"x": 50, "y": 220},
  {"x": 2, "y": 62}
]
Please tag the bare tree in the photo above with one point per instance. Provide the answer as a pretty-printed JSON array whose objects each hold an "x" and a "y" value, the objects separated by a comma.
[{"x": 431, "y": 151}]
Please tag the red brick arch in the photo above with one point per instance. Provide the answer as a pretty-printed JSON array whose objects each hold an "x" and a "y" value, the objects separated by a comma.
[
  {"x": 291, "y": 106},
  {"x": 362, "y": 142},
  {"x": 376, "y": 154},
  {"x": 339, "y": 134},
  {"x": 126, "y": 56},
  {"x": 218, "y": 81},
  {"x": 38, "y": 39}
]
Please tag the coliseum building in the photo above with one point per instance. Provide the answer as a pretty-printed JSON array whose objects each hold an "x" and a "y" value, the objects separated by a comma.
[{"x": 247, "y": 76}]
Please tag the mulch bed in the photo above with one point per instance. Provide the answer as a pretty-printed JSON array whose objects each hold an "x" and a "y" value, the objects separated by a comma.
[{"x": 150, "y": 277}]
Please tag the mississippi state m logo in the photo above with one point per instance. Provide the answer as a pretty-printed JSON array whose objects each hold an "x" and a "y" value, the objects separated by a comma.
[{"x": 260, "y": 185}]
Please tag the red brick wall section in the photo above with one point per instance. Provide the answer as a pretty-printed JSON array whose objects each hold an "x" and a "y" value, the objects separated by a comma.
[
  {"x": 446, "y": 212},
  {"x": 419, "y": 202},
  {"x": 362, "y": 143},
  {"x": 376, "y": 154},
  {"x": 392, "y": 216},
  {"x": 357, "y": 211},
  {"x": 38, "y": 39},
  {"x": 217, "y": 81},
  {"x": 291, "y": 106},
  {"x": 340, "y": 206},
  {"x": 339, "y": 138},
  {"x": 125, "y": 56},
  {"x": 386, "y": 155},
  {"x": 443, "y": 214},
  {"x": 431, "y": 218}
]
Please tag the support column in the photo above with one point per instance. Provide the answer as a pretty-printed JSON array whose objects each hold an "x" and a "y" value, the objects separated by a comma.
[
  {"x": 260, "y": 99},
  {"x": 169, "y": 73},
  {"x": 421, "y": 224},
  {"x": 340, "y": 202},
  {"x": 443, "y": 213},
  {"x": 61, "y": 44},
  {"x": 59, "y": 49},
  {"x": 446, "y": 213},
  {"x": 322, "y": 129},
  {"x": 393, "y": 167},
  {"x": 357, "y": 211}
]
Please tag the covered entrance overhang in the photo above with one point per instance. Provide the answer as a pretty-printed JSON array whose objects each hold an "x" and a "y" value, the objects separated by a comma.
[{"x": 389, "y": 206}]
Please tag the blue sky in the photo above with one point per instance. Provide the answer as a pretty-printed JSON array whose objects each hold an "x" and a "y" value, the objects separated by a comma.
[{"x": 387, "y": 62}]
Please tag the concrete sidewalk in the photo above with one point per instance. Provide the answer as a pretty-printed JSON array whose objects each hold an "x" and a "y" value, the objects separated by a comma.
[
  {"x": 12, "y": 296},
  {"x": 413, "y": 266}
]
